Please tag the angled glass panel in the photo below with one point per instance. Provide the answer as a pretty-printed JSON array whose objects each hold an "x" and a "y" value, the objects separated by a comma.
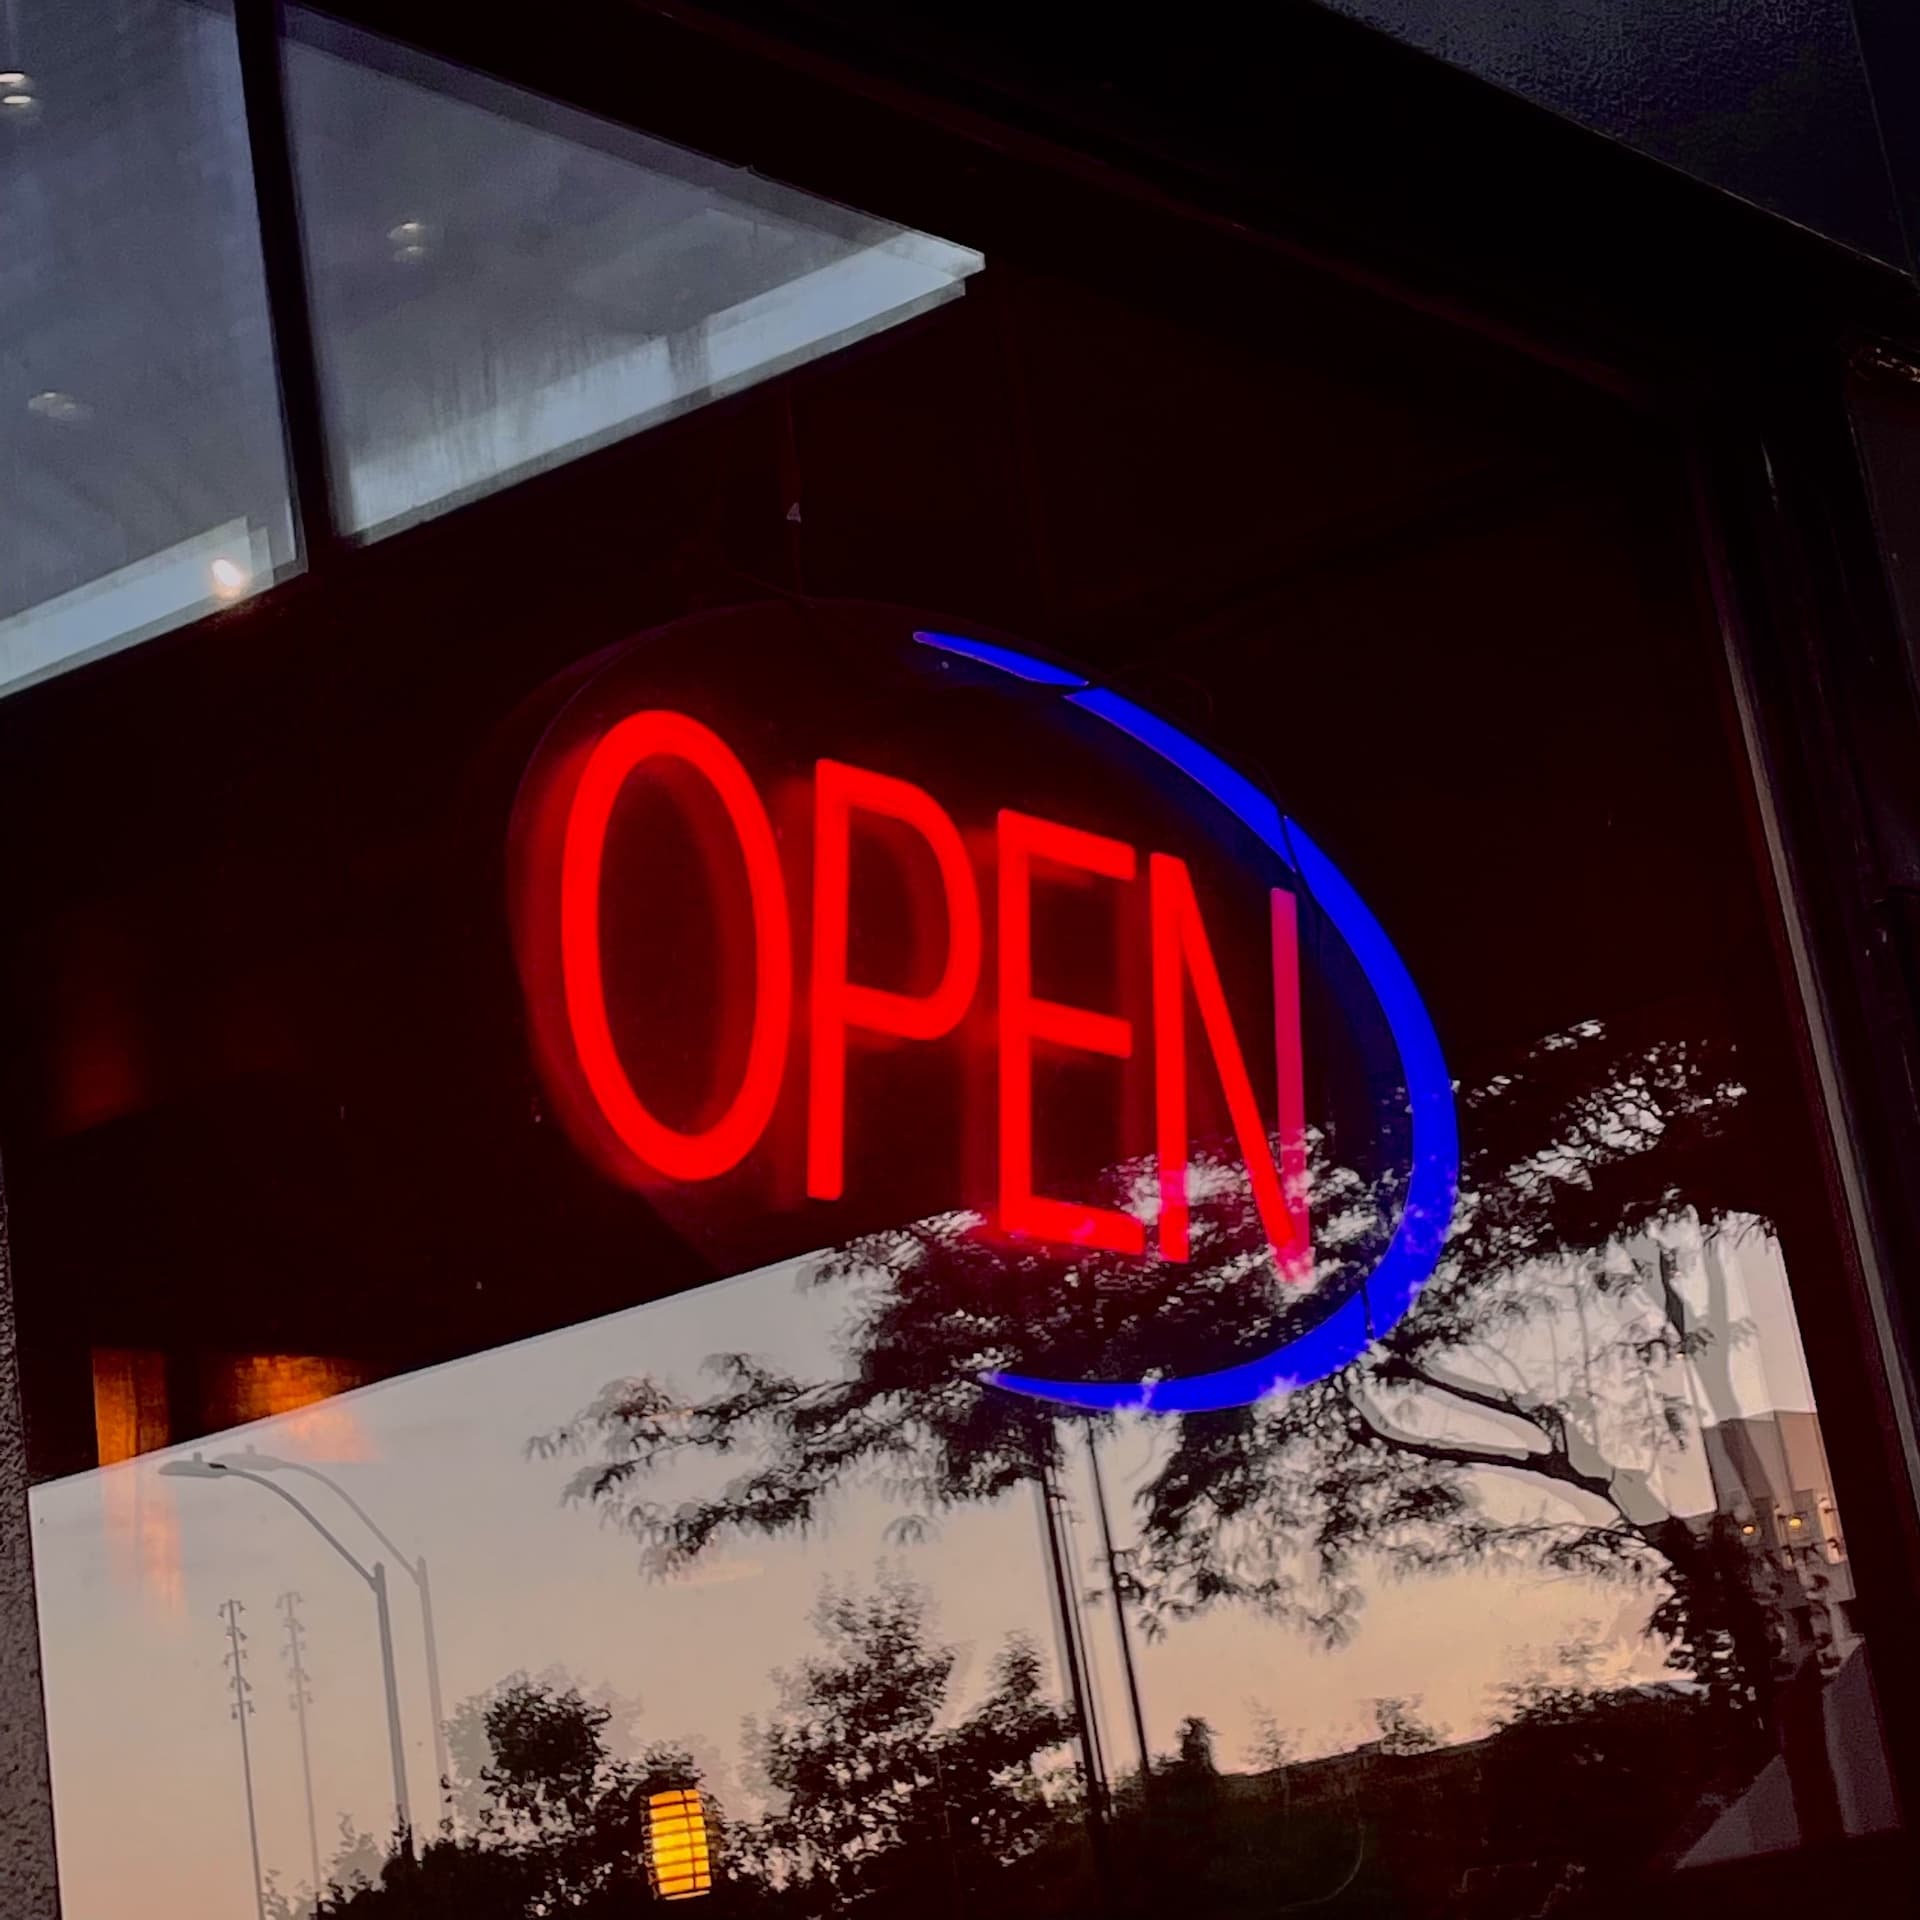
[
  {"x": 142, "y": 472},
  {"x": 500, "y": 284}
]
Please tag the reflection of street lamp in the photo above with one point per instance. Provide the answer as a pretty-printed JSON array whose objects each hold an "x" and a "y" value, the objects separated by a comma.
[
  {"x": 376, "y": 1578},
  {"x": 254, "y": 1462}
]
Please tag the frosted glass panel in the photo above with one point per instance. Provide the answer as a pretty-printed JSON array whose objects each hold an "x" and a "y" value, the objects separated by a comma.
[
  {"x": 499, "y": 284},
  {"x": 142, "y": 472}
]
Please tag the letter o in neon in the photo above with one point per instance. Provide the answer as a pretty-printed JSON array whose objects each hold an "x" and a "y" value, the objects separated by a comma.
[{"x": 717, "y": 1149}]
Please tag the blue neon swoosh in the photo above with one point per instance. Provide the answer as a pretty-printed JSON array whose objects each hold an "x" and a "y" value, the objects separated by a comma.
[{"x": 1434, "y": 1178}]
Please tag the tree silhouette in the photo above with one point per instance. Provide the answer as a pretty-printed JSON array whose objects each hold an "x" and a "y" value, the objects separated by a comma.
[
  {"x": 1574, "y": 1337},
  {"x": 1273, "y": 1747},
  {"x": 1402, "y": 1729},
  {"x": 1637, "y": 1755},
  {"x": 1194, "y": 1752},
  {"x": 470, "y": 1745},
  {"x": 880, "y": 1795},
  {"x": 561, "y": 1826}
]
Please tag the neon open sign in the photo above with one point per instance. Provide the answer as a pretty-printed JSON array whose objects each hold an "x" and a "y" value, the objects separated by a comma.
[{"x": 801, "y": 1003}]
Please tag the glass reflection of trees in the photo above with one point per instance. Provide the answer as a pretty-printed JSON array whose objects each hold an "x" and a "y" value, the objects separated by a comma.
[
  {"x": 1577, "y": 1339},
  {"x": 875, "y": 1781},
  {"x": 1555, "y": 1342}
]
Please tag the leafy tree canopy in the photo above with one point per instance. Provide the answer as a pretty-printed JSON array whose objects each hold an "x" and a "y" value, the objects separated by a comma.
[{"x": 1576, "y": 1323}]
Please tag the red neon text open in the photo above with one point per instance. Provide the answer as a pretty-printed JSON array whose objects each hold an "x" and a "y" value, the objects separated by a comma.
[{"x": 1028, "y": 855}]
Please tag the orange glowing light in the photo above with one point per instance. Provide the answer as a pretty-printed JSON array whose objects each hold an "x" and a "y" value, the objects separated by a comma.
[
  {"x": 678, "y": 1855},
  {"x": 129, "y": 1403},
  {"x": 130, "y": 1417},
  {"x": 302, "y": 1389}
]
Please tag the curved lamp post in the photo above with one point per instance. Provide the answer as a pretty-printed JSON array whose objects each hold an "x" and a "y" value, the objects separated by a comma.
[
  {"x": 253, "y": 1463},
  {"x": 375, "y": 1577}
]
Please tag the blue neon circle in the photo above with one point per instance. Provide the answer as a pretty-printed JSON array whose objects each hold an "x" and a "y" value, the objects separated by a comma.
[{"x": 1433, "y": 1181}]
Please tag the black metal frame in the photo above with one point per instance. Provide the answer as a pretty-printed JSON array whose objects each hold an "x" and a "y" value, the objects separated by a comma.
[
  {"x": 1469, "y": 204},
  {"x": 259, "y": 28}
]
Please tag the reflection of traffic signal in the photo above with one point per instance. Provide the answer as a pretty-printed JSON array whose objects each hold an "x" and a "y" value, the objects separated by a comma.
[{"x": 677, "y": 1855}]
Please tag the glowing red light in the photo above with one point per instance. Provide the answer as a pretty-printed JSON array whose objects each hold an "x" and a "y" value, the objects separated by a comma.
[
  {"x": 1296, "y": 1261},
  {"x": 1025, "y": 1018},
  {"x": 620, "y": 753},
  {"x": 840, "y": 1004},
  {"x": 1182, "y": 954},
  {"x": 852, "y": 807}
]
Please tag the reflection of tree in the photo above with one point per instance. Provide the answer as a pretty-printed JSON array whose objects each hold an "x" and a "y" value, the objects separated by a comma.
[
  {"x": 561, "y": 1825},
  {"x": 876, "y": 1796},
  {"x": 1636, "y": 1754},
  {"x": 470, "y": 1743},
  {"x": 878, "y": 1790},
  {"x": 1402, "y": 1728},
  {"x": 1194, "y": 1751},
  {"x": 1563, "y": 1346}
]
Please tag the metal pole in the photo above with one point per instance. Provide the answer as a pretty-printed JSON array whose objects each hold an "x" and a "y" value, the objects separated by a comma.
[
  {"x": 1070, "y": 1656},
  {"x": 290, "y": 1605},
  {"x": 403, "y": 1810},
  {"x": 441, "y": 1760},
  {"x": 417, "y": 1572},
  {"x": 375, "y": 1577},
  {"x": 1070, "y": 1551},
  {"x": 1118, "y": 1589},
  {"x": 258, "y": 30},
  {"x": 230, "y": 1612}
]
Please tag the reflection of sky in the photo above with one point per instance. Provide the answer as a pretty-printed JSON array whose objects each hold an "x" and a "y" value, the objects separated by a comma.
[{"x": 146, "y": 1768}]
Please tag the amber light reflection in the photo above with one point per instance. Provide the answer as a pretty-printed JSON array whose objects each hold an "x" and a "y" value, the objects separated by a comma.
[
  {"x": 132, "y": 1415},
  {"x": 137, "y": 1510},
  {"x": 261, "y": 1386},
  {"x": 677, "y": 1843}
]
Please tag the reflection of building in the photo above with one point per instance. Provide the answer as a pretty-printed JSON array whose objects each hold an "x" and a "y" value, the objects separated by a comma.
[{"x": 1770, "y": 1477}]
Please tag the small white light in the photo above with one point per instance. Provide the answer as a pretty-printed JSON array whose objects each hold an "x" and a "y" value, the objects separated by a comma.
[
  {"x": 407, "y": 230},
  {"x": 16, "y": 100},
  {"x": 60, "y": 407},
  {"x": 13, "y": 79},
  {"x": 229, "y": 578},
  {"x": 412, "y": 251}
]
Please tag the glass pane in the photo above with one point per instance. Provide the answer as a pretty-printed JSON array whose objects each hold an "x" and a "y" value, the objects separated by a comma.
[
  {"x": 1529, "y": 1580},
  {"x": 499, "y": 283},
  {"x": 142, "y": 474}
]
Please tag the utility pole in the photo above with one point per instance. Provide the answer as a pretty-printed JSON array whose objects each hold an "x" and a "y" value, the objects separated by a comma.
[
  {"x": 1119, "y": 1584},
  {"x": 375, "y": 1578},
  {"x": 443, "y": 1763},
  {"x": 235, "y": 1660},
  {"x": 394, "y": 1740},
  {"x": 1073, "y": 1655},
  {"x": 415, "y": 1567},
  {"x": 302, "y": 1697}
]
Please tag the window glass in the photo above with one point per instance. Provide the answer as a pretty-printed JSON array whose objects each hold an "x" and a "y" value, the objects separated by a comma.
[
  {"x": 1216, "y": 680},
  {"x": 142, "y": 475},
  {"x": 498, "y": 284}
]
